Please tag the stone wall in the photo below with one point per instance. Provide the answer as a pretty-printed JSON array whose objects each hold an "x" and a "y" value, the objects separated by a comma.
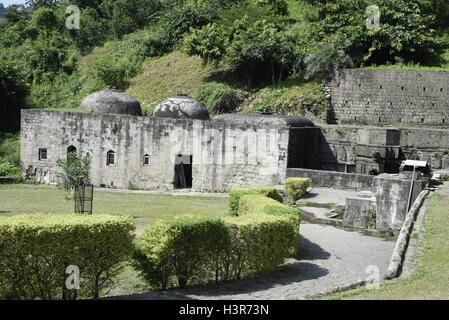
[
  {"x": 392, "y": 200},
  {"x": 385, "y": 207},
  {"x": 334, "y": 180},
  {"x": 431, "y": 145},
  {"x": 361, "y": 96},
  {"x": 354, "y": 149},
  {"x": 224, "y": 155},
  {"x": 364, "y": 149},
  {"x": 360, "y": 213}
]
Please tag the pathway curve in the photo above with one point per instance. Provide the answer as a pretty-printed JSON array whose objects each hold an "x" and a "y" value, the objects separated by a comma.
[{"x": 327, "y": 256}]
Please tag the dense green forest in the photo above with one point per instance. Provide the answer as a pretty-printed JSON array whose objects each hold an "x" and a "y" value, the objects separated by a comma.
[{"x": 233, "y": 55}]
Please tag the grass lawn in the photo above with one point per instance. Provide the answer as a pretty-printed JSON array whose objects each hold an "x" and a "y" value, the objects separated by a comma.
[
  {"x": 22, "y": 199},
  {"x": 432, "y": 277},
  {"x": 145, "y": 208}
]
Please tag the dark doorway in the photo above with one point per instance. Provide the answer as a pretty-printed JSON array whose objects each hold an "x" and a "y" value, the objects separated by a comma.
[
  {"x": 183, "y": 172},
  {"x": 71, "y": 153}
]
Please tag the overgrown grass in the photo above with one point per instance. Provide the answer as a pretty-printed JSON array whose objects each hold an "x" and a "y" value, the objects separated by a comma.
[
  {"x": 431, "y": 278},
  {"x": 167, "y": 76},
  {"x": 176, "y": 73},
  {"x": 219, "y": 97},
  {"x": 291, "y": 97},
  {"x": 410, "y": 67}
]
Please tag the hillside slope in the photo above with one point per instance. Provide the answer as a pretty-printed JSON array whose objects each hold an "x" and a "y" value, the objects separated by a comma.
[{"x": 167, "y": 76}]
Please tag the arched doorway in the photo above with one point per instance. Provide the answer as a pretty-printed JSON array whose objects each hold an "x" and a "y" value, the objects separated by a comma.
[{"x": 71, "y": 153}]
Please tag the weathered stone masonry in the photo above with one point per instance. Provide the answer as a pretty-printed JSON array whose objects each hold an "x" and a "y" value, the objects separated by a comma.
[
  {"x": 361, "y": 96},
  {"x": 221, "y": 158},
  {"x": 368, "y": 149}
]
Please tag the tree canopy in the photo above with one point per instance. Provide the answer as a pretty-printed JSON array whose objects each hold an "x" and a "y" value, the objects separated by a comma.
[{"x": 260, "y": 42}]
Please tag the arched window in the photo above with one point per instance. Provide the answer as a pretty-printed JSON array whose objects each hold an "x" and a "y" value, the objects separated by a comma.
[
  {"x": 110, "y": 158},
  {"x": 71, "y": 153},
  {"x": 146, "y": 160}
]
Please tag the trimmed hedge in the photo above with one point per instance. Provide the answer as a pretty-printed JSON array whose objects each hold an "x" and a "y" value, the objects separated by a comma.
[
  {"x": 269, "y": 192},
  {"x": 296, "y": 188},
  {"x": 36, "y": 249},
  {"x": 181, "y": 250},
  {"x": 234, "y": 198},
  {"x": 257, "y": 238},
  {"x": 259, "y": 244},
  {"x": 260, "y": 205},
  {"x": 236, "y": 193}
]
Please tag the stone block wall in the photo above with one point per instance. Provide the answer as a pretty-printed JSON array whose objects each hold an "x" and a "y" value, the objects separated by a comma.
[
  {"x": 363, "y": 149},
  {"x": 356, "y": 149},
  {"x": 426, "y": 144},
  {"x": 224, "y": 155},
  {"x": 376, "y": 97},
  {"x": 360, "y": 213},
  {"x": 334, "y": 180},
  {"x": 392, "y": 200}
]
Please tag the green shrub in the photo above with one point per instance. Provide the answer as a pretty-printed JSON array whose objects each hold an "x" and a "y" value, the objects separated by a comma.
[
  {"x": 296, "y": 188},
  {"x": 269, "y": 192},
  {"x": 181, "y": 250},
  {"x": 35, "y": 251},
  {"x": 5, "y": 168},
  {"x": 191, "y": 250},
  {"x": 259, "y": 204},
  {"x": 325, "y": 60},
  {"x": 253, "y": 205},
  {"x": 148, "y": 111},
  {"x": 219, "y": 98},
  {"x": 259, "y": 243},
  {"x": 234, "y": 197},
  {"x": 10, "y": 149},
  {"x": 292, "y": 97}
]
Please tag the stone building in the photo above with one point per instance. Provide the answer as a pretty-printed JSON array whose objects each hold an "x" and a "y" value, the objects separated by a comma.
[
  {"x": 177, "y": 148},
  {"x": 378, "y": 118}
]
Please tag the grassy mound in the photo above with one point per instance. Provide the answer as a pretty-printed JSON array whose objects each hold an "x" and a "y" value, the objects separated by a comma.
[{"x": 167, "y": 76}]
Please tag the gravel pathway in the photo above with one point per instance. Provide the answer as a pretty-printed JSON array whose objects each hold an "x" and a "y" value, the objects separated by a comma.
[{"x": 327, "y": 256}]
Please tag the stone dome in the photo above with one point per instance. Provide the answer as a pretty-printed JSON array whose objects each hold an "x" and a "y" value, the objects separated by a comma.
[
  {"x": 111, "y": 100},
  {"x": 181, "y": 107}
]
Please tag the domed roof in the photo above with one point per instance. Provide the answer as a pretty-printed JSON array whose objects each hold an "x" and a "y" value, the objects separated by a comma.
[
  {"x": 181, "y": 107},
  {"x": 111, "y": 100}
]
